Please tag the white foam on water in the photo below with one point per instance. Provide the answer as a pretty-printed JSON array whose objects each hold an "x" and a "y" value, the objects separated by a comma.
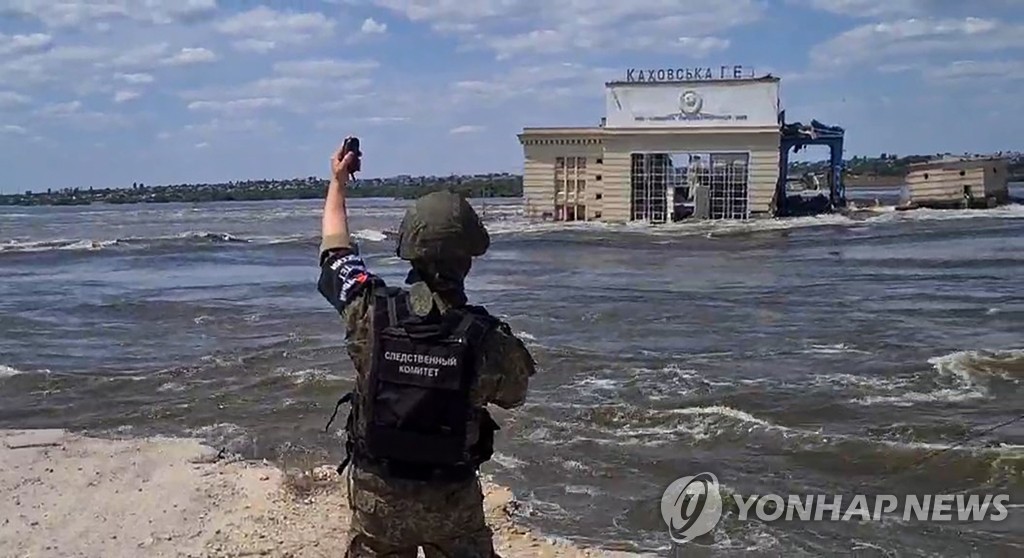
[
  {"x": 507, "y": 461},
  {"x": 525, "y": 336},
  {"x": 1011, "y": 211},
  {"x": 970, "y": 371},
  {"x": 370, "y": 235},
  {"x": 308, "y": 375},
  {"x": 913, "y": 398},
  {"x": 835, "y": 349},
  {"x": 982, "y": 364},
  {"x": 171, "y": 387},
  {"x": 55, "y": 244},
  {"x": 574, "y": 466},
  {"x": 714, "y": 229},
  {"x": 586, "y": 490},
  {"x": 877, "y": 383},
  {"x": 7, "y": 371}
]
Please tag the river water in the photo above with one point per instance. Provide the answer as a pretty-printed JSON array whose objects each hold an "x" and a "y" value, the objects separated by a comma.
[{"x": 823, "y": 355}]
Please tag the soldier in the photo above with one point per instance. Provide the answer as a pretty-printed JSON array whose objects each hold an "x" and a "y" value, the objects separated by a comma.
[{"x": 427, "y": 365}]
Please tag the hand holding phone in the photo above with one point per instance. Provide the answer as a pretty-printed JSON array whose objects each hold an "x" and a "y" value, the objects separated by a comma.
[{"x": 351, "y": 145}]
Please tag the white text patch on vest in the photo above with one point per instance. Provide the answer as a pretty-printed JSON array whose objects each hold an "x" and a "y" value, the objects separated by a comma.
[
  {"x": 413, "y": 358},
  {"x": 419, "y": 370}
]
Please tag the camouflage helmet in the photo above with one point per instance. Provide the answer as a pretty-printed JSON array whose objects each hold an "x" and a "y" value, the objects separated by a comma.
[{"x": 441, "y": 226}]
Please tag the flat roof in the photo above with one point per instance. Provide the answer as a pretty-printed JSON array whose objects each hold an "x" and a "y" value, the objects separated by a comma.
[
  {"x": 955, "y": 163},
  {"x": 762, "y": 79},
  {"x": 600, "y": 131},
  {"x": 559, "y": 130}
]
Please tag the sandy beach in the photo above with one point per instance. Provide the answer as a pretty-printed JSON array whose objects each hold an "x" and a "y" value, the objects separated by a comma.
[{"x": 63, "y": 494}]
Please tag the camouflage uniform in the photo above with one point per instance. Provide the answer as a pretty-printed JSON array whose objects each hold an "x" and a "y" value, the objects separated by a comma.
[{"x": 390, "y": 516}]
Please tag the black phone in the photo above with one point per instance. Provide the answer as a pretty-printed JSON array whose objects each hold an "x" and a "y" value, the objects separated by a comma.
[{"x": 351, "y": 145}]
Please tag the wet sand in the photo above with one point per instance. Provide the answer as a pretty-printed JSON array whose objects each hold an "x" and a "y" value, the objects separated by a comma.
[{"x": 62, "y": 494}]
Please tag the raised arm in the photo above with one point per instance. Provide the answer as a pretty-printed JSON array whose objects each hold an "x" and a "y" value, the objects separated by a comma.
[
  {"x": 335, "y": 219},
  {"x": 343, "y": 275}
]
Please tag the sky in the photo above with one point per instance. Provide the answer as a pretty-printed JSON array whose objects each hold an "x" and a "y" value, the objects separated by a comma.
[{"x": 110, "y": 92}]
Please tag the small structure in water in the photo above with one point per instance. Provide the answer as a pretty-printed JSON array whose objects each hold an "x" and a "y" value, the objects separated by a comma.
[{"x": 958, "y": 183}]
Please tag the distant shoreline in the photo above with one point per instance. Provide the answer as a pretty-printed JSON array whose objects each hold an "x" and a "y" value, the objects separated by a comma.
[
  {"x": 402, "y": 187},
  {"x": 494, "y": 186}
]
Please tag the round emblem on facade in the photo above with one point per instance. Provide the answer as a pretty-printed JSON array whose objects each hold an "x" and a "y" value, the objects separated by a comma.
[{"x": 690, "y": 102}]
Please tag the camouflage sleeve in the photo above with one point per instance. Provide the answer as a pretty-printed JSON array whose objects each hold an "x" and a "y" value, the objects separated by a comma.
[
  {"x": 346, "y": 283},
  {"x": 506, "y": 369}
]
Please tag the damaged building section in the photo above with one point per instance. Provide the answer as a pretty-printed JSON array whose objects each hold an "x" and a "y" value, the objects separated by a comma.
[
  {"x": 957, "y": 183},
  {"x": 712, "y": 147},
  {"x": 807, "y": 195}
]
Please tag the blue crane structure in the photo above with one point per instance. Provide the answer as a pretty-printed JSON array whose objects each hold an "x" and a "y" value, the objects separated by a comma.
[{"x": 795, "y": 136}]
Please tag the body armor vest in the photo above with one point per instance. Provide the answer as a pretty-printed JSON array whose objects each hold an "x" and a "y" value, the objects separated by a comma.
[{"x": 417, "y": 407}]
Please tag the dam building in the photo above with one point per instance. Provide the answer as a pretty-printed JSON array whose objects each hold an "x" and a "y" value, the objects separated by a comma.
[
  {"x": 958, "y": 182},
  {"x": 677, "y": 144}
]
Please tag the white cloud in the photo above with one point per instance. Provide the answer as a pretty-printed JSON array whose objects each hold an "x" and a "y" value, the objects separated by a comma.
[
  {"x": 72, "y": 113},
  {"x": 141, "y": 57},
  {"x": 10, "y": 99},
  {"x": 72, "y": 13},
  {"x": 135, "y": 79},
  {"x": 700, "y": 47},
  {"x": 322, "y": 68},
  {"x": 295, "y": 85},
  {"x": 18, "y": 44},
  {"x": 384, "y": 119},
  {"x": 202, "y": 145},
  {"x": 530, "y": 27},
  {"x": 125, "y": 96},
  {"x": 60, "y": 109},
  {"x": 151, "y": 56},
  {"x": 255, "y": 45},
  {"x": 188, "y": 56},
  {"x": 58, "y": 64},
  {"x": 372, "y": 27},
  {"x": 236, "y": 106},
  {"x": 263, "y": 29},
  {"x": 889, "y": 8},
  {"x": 466, "y": 129},
  {"x": 218, "y": 127},
  {"x": 976, "y": 70},
  {"x": 13, "y": 129},
  {"x": 540, "y": 82},
  {"x": 917, "y": 39}
]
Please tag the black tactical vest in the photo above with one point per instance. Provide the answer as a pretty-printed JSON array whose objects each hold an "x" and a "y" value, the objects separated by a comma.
[{"x": 417, "y": 403}]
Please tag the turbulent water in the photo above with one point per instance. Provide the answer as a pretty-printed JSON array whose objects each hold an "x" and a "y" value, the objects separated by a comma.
[{"x": 825, "y": 355}]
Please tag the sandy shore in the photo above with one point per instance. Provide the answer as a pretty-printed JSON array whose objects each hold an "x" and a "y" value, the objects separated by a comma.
[{"x": 62, "y": 494}]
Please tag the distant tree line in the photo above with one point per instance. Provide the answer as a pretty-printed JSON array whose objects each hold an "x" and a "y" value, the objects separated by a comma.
[
  {"x": 401, "y": 187},
  {"x": 889, "y": 165},
  {"x": 884, "y": 169}
]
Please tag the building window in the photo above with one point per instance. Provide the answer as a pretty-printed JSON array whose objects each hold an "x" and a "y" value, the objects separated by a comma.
[
  {"x": 597, "y": 196},
  {"x": 599, "y": 161},
  {"x": 926, "y": 176},
  {"x": 569, "y": 186},
  {"x": 963, "y": 173},
  {"x": 597, "y": 177},
  {"x": 597, "y": 215}
]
